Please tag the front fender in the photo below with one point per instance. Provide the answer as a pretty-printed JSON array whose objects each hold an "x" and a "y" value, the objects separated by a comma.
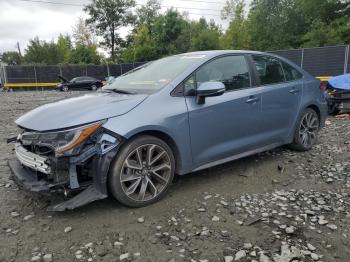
[{"x": 161, "y": 115}]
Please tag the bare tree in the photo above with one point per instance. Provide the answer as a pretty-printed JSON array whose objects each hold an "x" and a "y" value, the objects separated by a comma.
[{"x": 84, "y": 33}]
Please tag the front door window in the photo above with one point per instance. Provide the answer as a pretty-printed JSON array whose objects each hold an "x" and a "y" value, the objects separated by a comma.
[{"x": 232, "y": 71}]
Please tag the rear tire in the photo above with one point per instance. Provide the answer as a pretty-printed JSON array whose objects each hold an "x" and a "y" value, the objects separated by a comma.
[
  {"x": 306, "y": 131},
  {"x": 142, "y": 172}
]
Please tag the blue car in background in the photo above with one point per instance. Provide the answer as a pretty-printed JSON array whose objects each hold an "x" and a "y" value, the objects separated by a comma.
[
  {"x": 176, "y": 115},
  {"x": 338, "y": 94}
]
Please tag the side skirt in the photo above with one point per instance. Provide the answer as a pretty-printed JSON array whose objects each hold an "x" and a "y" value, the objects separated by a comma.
[{"x": 238, "y": 156}]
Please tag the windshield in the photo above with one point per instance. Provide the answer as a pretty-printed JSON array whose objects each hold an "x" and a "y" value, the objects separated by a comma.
[{"x": 153, "y": 76}]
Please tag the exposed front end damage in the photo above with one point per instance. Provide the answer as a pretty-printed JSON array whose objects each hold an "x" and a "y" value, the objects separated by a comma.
[
  {"x": 339, "y": 99},
  {"x": 338, "y": 94},
  {"x": 79, "y": 168}
]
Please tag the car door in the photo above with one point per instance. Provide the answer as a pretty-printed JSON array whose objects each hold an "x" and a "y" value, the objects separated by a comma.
[
  {"x": 228, "y": 124},
  {"x": 85, "y": 82},
  {"x": 281, "y": 96},
  {"x": 76, "y": 83},
  {"x": 88, "y": 82}
]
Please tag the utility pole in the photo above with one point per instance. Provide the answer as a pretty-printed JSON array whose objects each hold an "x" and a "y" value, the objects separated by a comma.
[
  {"x": 19, "y": 52},
  {"x": 19, "y": 49}
]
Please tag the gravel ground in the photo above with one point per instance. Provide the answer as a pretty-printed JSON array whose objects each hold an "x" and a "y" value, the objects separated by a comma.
[{"x": 278, "y": 206}]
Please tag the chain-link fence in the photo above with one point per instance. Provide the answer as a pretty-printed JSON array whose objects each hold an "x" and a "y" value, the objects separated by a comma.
[{"x": 322, "y": 61}]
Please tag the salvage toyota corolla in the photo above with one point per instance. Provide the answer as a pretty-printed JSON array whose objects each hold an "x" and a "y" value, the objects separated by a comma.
[{"x": 176, "y": 115}]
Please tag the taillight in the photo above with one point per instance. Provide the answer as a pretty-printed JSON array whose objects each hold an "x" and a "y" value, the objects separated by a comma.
[{"x": 323, "y": 86}]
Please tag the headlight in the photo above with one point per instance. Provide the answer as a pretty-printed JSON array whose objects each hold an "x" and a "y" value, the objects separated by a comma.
[{"x": 61, "y": 141}]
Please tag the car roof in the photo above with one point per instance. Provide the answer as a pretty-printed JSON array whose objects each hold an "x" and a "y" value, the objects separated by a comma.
[
  {"x": 211, "y": 54},
  {"x": 223, "y": 52},
  {"x": 84, "y": 77},
  {"x": 214, "y": 53}
]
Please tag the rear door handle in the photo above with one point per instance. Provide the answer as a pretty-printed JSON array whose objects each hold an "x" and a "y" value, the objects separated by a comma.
[
  {"x": 294, "y": 91},
  {"x": 252, "y": 100}
]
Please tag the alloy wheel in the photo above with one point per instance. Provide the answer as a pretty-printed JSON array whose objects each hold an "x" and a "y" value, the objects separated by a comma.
[
  {"x": 308, "y": 129},
  {"x": 146, "y": 172}
]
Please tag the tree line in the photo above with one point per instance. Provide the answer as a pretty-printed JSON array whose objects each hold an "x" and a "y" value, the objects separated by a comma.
[{"x": 264, "y": 25}]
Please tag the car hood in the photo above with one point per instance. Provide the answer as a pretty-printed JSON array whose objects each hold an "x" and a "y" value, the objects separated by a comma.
[
  {"x": 64, "y": 80},
  {"x": 79, "y": 110}
]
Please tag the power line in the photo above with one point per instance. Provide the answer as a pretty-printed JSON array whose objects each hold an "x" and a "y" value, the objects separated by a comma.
[
  {"x": 201, "y": 1},
  {"x": 70, "y": 4},
  {"x": 203, "y": 14},
  {"x": 163, "y": 6},
  {"x": 191, "y": 8},
  {"x": 49, "y": 2}
]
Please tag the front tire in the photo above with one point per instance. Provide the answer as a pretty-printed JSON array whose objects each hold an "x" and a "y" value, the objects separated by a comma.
[
  {"x": 142, "y": 171},
  {"x": 65, "y": 89},
  {"x": 93, "y": 87},
  {"x": 305, "y": 135}
]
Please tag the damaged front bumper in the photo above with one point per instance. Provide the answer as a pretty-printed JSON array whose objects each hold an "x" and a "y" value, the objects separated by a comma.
[{"x": 84, "y": 174}]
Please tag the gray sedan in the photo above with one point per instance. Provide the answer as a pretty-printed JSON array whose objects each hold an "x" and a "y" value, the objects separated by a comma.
[{"x": 176, "y": 115}]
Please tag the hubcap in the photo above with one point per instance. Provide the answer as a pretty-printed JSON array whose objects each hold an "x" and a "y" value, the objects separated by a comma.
[
  {"x": 308, "y": 129},
  {"x": 146, "y": 172}
]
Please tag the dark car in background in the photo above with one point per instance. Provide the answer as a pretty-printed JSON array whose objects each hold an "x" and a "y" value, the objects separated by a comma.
[{"x": 79, "y": 83}]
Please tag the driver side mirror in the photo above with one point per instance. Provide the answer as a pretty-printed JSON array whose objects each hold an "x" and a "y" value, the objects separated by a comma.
[{"x": 209, "y": 89}]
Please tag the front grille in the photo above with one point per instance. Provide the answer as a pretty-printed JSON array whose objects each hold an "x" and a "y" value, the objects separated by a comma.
[{"x": 31, "y": 160}]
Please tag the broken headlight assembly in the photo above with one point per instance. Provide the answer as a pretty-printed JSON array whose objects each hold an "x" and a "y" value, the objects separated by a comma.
[{"x": 61, "y": 142}]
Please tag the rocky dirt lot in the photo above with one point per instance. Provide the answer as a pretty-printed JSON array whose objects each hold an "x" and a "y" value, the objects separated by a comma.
[{"x": 278, "y": 206}]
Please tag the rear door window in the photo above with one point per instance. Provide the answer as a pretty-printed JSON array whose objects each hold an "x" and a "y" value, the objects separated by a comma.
[{"x": 269, "y": 69}]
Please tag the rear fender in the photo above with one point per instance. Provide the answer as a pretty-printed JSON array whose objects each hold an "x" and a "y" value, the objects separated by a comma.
[{"x": 322, "y": 113}]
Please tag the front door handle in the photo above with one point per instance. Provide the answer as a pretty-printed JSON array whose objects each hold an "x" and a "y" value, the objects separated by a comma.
[
  {"x": 252, "y": 100},
  {"x": 294, "y": 91}
]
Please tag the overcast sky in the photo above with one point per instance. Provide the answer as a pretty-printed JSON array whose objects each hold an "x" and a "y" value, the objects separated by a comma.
[{"x": 21, "y": 21}]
